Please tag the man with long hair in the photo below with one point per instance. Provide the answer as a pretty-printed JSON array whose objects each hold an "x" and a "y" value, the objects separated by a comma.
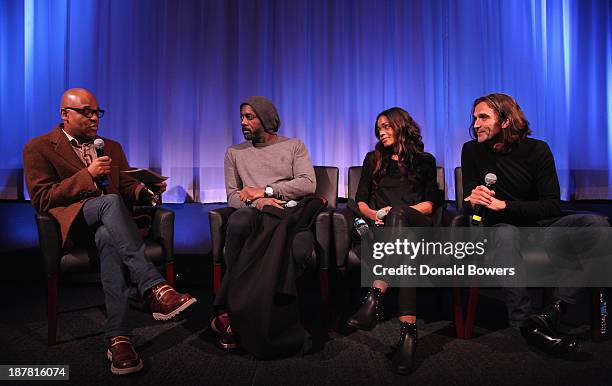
[{"x": 526, "y": 194}]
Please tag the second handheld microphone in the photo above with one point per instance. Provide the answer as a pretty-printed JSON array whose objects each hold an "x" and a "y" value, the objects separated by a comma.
[{"x": 477, "y": 218}]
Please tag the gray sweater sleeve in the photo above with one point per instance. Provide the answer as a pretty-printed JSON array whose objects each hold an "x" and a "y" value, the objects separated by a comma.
[
  {"x": 303, "y": 182},
  {"x": 233, "y": 183}
]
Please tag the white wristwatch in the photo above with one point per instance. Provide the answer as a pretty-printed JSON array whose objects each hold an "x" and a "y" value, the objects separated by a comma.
[{"x": 269, "y": 192}]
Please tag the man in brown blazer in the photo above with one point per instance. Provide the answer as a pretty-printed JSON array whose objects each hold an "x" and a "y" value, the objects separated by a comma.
[{"x": 67, "y": 179}]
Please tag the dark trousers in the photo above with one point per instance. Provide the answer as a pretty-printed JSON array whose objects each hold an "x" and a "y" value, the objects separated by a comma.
[
  {"x": 240, "y": 225},
  {"x": 518, "y": 300},
  {"x": 401, "y": 217},
  {"x": 122, "y": 258}
]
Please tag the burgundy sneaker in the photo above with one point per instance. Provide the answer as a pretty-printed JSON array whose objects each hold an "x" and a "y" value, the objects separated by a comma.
[
  {"x": 123, "y": 357},
  {"x": 165, "y": 303},
  {"x": 221, "y": 325}
]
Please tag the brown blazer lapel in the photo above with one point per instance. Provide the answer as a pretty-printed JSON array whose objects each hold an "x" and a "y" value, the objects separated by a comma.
[{"x": 64, "y": 148}]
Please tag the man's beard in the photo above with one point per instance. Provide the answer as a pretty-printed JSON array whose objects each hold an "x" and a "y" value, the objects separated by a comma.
[
  {"x": 85, "y": 139},
  {"x": 254, "y": 136},
  {"x": 248, "y": 135}
]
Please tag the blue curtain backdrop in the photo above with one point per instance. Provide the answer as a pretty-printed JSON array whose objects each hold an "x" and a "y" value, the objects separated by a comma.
[{"x": 171, "y": 75}]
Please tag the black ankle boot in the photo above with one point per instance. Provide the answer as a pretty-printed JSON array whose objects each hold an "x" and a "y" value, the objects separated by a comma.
[
  {"x": 405, "y": 351},
  {"x": 550, "y": 317},
  {"x": 370, "y": 311}
]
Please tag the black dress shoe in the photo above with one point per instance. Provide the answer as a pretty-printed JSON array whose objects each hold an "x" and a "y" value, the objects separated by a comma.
[
  {"x": 548, "y": 341},
  {"x": 370, "y": 311},
  {"x": 550, "y": 318},
  {"x": 405, "y": 351}
]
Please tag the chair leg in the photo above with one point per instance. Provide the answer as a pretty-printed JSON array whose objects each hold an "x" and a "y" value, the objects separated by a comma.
[
  {"x": 52, "y": 290},
  {"x": 216, "y": 277},
  {"x": 458, "y": 310},
  {"x": 471, "y": 311},
  {"x": 170, "y": 273},
  {"x": 340, "y": 299}
]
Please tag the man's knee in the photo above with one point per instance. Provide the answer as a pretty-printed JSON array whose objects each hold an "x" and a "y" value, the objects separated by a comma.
[
  {"x": 591, "y": 220},
  {"x": 581, "y": 220},
  {"x": 110, "y": 203},
  {"x": 112, "y": 199},
  {"x": 242, "y": 220}
]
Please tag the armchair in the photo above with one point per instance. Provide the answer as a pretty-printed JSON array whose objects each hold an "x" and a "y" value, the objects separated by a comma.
[
  {"x": 58, "y": 261},
  {"x": 316, "y": 257}
]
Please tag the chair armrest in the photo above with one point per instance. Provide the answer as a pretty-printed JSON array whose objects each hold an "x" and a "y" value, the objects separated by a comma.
[
  {"x": 218, "y": 221},
  {"x": 49, "y": 239},
  {"x": 568, "y": 212},
  {"x": 323, "y": 235},
  {"x": 162, "y": 230},
  {"x": 342, "y": 224}
]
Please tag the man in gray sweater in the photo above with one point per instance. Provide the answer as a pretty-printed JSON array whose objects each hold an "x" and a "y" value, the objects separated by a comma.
[{"x": 266, "y": 169}]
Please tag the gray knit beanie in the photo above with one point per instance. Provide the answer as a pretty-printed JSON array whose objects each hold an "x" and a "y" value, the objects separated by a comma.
[{"x": 266, "y": 112}]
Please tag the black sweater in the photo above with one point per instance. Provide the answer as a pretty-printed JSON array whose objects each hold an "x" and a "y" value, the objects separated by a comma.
[
  {"x": 418, "y": 185},
  {"x": 526, "y": 180}
]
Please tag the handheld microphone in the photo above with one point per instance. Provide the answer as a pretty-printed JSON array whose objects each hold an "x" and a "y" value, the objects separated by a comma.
[
  {"x": 478, "y": 212},
  {"x": 99, "y": 146},
  {"x": 352, "y": 205}
]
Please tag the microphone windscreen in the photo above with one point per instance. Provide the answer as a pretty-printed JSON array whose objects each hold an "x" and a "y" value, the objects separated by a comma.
[
  {"x": 381, "y": 214},
  {"x": 99, "y": 146},
  {"x": 99, "y": 143},
  {"x": 490, "y": 179}
]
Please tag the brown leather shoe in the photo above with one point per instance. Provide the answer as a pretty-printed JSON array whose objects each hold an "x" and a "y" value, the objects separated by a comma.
[
  {"x": 165, "y": 303},
  {"x": 227, "y": 342},
  {"x": 123, "y": 357},
  {"x": 221, "y": 325}
]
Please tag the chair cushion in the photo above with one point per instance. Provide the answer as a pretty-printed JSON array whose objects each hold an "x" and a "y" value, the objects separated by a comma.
[{"x": 80, "y": 259}]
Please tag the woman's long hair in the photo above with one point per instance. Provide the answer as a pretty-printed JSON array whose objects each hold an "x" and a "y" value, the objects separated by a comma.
[{"x": 408, "y": 143}]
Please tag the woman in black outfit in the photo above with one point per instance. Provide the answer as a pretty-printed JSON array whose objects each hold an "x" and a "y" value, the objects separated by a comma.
[{"x": 399, "y": 178}]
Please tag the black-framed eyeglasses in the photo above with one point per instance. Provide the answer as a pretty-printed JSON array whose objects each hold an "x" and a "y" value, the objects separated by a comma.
[{"x": 87, "y": 112}]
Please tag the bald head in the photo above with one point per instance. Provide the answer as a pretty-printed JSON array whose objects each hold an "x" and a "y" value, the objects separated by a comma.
[
  {"x": 79, "y": 111},
  {"x": 78, "y": 97}
]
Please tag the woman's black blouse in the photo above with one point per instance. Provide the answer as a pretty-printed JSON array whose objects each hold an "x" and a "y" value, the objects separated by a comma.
[{"x": 417, "y": 185}]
